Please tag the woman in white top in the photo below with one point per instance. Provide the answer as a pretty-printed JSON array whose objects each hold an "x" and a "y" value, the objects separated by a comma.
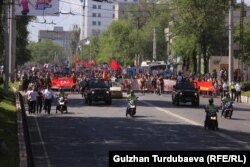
[
  {"x": 225, "y": 88},
  {"x": 238, "y": 91}
]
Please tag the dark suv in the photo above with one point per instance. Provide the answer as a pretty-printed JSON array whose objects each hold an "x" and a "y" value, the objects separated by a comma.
[
  {"x": 185, "y": 92},
  {"x": 97, "y": 90}
]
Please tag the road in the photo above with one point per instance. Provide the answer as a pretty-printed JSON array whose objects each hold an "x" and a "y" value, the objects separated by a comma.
[{"x": 85, "y": 135}]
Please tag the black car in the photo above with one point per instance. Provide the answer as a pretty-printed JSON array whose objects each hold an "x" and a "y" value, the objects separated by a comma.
[
  {"x": 97, "y": 90},
  {"x": 184, "y": 92}
]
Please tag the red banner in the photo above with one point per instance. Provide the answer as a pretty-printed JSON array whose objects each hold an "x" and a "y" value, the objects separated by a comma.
[
  {"x": 62, "y": 82},
  {"x": 206, "y": 86}
]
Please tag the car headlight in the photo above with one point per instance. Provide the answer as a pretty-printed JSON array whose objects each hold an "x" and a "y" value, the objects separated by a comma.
[
  {"x": 93, "y": 92},
  {"x": 196, "y": 94},
  {"x": 180, "y": 93},
  {"x": 107, "y": 92}
]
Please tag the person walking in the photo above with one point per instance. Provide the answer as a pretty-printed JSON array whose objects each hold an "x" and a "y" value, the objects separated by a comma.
[
  {"x": 48, "y": 97},
  {"x": 233, "y": 91},
  {"x": 31, "y": 98},
  {"x": 224, "y": 88},
  {"x": 39, "y": 101},
  {"x": 238, "y": 91}
]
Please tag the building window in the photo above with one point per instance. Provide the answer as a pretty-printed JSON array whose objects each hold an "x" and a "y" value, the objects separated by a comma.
[
  {"x": 114, "y": 7},
  {"x": 94, "y": 6},
  {"x": 93, "y": 23},
  {"x": 99, "y": 15},
  {"x": 99, "y": 6},
  {"x": 113, "y": 15},
  {"x": 94, "y": 14},
  {"x": 99, "y": 23}
]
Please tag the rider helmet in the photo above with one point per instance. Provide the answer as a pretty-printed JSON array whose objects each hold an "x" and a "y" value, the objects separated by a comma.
[{"x": 211, "y": 101}]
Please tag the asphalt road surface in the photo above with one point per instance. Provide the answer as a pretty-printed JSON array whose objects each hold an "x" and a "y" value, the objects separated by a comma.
[{"x": 85, "y": 135}]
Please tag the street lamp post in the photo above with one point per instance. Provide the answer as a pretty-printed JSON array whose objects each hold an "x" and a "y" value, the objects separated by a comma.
[{"x": 230, "y": 67}]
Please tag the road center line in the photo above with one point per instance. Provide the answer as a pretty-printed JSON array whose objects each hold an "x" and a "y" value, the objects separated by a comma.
[
  {"x": 41, "y": 138},
  {"x": 227, "y": 137}
]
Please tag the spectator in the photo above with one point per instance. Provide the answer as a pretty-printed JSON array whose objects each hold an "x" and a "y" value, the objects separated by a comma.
[
  {"x": 39, "y": 101},
  {"x": 31, "y": 98},
  {"x": 224, "y": 88},
  {"x": 48, "y": 97},
  {"x": 238, "y": 91}
]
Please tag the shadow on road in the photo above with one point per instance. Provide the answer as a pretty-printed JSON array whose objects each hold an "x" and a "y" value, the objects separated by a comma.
[{"x": 86, "y": 141}]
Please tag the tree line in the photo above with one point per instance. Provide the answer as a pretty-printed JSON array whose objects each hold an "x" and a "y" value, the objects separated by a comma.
[{"x": 198, "y": 30}]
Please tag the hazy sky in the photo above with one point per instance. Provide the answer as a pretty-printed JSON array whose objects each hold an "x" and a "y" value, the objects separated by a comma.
[{"x": 67, "y": 21}]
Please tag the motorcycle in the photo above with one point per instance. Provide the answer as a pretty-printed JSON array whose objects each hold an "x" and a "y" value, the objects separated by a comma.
[
  {"x": 227, "y": 110},
  {"x": 131, "y": 108},
  {"x": 62, "y": 105},
  {"x": 211, "y": 121}
]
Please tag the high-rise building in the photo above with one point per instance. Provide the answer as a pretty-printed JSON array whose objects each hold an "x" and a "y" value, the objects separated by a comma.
[
  {"x": 97, "y": 16},
  {"x": 59, "y": 36}
]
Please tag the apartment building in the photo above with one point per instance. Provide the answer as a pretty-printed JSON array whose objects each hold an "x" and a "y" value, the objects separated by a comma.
[{"x": 97, "y": 16}]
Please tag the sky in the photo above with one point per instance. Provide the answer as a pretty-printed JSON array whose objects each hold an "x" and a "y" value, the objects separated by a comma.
[{"x": 65, "y": 20}]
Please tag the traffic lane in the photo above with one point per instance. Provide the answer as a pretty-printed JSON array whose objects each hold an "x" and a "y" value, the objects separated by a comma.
[
  {"x": 196, "y": 116},
  {"x": 240, "y": 120}
]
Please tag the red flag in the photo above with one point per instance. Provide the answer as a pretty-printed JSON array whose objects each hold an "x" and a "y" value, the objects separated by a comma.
[{"x": 114, "y": 65}]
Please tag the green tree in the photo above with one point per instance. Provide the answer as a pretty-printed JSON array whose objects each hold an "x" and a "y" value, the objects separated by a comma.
[
  {"x": 246, "y": 40},
  {"x": 145, "y": 17},
  {"x": 76, "y": 39},
  {"x": 46, "y": 51},
  {"x": 205, "y": 21},
  {"x": 1, "y": 32},
  {"x": 117, "y": 42},
  {"x": 22, "y": 53}
]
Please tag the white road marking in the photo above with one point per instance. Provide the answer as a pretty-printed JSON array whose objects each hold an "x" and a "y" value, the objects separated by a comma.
[
  {"x": 42, "y": 142},
  {"x": 227, "y": 137}
]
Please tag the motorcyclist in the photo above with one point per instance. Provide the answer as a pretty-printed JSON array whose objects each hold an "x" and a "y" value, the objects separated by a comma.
[
  {"x": 130, "y": 97},
  {"x": 61, "y": 93},
  {"x": 61, "y": 98},
  {"x": 225, "y": 100},
  {"x": 210, "y": 108}
]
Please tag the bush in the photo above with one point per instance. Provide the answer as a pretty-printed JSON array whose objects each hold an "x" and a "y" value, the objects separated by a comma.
[{"x": 246, "y": 86}]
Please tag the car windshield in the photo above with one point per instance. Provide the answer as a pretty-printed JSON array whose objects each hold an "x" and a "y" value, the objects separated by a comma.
[
  {"x": 185, "y": 85},
  {"x": 97, "y": 84},
  {"x": 116, "y": 84}
]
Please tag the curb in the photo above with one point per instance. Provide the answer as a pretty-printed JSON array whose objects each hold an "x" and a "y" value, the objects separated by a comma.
[
  {"x": 245, "y": 99},
  {"x": 23, "y": 162}
]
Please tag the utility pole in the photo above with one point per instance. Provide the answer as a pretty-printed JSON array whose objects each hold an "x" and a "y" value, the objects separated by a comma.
[
  {"x": 6, "y": 47},
  {"x": 13, "y": 36},
  {"x": 230, "y": 28},
  {"x": 154, "y": 45},
  {"x": 241, "y": 46}
]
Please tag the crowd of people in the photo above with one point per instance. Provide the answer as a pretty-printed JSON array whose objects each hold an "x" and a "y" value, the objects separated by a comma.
[{"x": 36, "y": 82}]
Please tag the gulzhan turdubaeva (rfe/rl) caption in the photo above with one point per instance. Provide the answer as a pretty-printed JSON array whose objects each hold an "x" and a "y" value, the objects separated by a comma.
[{"x": 179, "y": 158}]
